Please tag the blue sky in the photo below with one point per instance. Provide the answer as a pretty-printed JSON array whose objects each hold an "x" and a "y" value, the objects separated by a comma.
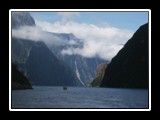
[{"x": 122, "y": 20}]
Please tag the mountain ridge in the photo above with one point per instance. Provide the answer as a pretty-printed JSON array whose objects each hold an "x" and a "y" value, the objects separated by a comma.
[
  {"x": 84, "y": 68},
  {"x": 20, "y": 19},
  {"x": 37, "y": 61},
  {"x": 129, "y": 68}
]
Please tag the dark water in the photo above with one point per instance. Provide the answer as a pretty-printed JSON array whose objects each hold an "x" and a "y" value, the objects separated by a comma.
[{"x": 79, "y": 97}]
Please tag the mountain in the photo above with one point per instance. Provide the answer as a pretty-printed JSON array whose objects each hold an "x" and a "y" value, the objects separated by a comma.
[
  {"x": 99, "y": 75},
  {"x": 19, "y": 80},
  {"x": 84, "y": 68},
  {"x": 21, "y": 19},
  {"x": 129, "y": 68},
  {"x": 40, "y": 65},
  {"x": 37, "y": 61}
]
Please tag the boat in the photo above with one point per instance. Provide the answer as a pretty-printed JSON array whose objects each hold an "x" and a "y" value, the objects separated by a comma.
[{"x": 64, "y": 87}]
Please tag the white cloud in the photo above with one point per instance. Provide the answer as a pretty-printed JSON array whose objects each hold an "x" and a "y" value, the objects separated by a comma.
[
  {"x": 36, "y": 34},
  {"x": 102, "y": 41},
  {"x": 67, "y": 16}
]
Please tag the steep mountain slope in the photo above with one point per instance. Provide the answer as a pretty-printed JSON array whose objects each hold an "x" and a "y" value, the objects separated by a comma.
[
  {"x": 129, "y": 68},
  {"x": 40, "y": 65},
  {"x": 19, "y": 81},
  {"x": 99, "y": 75},
  {"x": 36, "y": 60},
  {"x": 84, "y": 68}
]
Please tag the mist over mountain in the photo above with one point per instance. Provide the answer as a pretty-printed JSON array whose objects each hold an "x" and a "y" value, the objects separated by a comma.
[
  {"x": 84, "y": 68},
  {"x": 129, "y": 68},
  {"x": 40, "y": 65},
  {"x": 36, "y": 51},
  {"x": 37, "y": 57},
  {"x": 37, "y": 61},
  {"x": 79, "y": 60},
  {"x": 24, "y": 48}
]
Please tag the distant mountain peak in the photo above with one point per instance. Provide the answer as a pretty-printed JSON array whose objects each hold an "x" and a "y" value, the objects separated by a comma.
[{"x": 22, "y": 19}]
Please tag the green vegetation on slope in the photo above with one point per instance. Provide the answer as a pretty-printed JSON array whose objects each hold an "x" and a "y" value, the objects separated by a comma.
[
  {"x": 96, "y": 82},
  {"x": 99, "y": 75}
]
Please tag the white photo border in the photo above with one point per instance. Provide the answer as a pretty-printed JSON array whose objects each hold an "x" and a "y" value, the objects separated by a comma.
[{"x": 81, "y": 10}]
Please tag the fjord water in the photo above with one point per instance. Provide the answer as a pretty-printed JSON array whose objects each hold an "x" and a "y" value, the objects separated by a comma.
[{"x": 79, "y": 97}]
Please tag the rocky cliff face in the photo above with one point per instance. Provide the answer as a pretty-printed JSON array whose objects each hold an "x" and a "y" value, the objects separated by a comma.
[
  {"x": 99, "y": 75},
  {"x": 21, "y": 19},
  {"x": 101, "y": 69},
  {"x": 129, "y": 68},
  {"x": 84, "y": 68},
  {"x": 40, "y": 65},
  {"x": 37, "y": 61}
]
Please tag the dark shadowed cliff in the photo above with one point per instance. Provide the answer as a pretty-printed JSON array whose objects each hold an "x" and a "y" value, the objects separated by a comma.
[
  {"x": 129, "y": 68},
  {"x": 19, "y": 81}
]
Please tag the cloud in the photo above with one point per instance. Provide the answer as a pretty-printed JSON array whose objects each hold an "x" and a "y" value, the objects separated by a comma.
[
  {"x": 98, "y": 41},
  {"x": 36, "y": 34},
  {"x": 94, "y": 49},
  {"x": 101, "y": 41},
  {"x": 67, "y": 16}
]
